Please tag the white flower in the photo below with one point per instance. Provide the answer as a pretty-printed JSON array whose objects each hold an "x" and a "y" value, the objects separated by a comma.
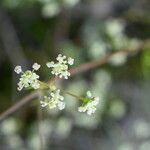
[
  {"x": 61, "y": 67},
  {"x": 18, "y": 69},
  {"x": 53, "y": 100},
  {"x": 70, "y": 61},
  {"x": 90, "y": 104},
  {"x": 28, "y": 79},
  {"x": 61, "y": 58},
  {"x": 61, "y": 105},
  {"x": 20, "y": 86},
  {"x": 89, "y": 94},
  {"x": 50, "y": 64},
  {"x": 36, "y": 66}
]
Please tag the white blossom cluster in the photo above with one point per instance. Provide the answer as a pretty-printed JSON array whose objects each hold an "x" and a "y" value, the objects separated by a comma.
[
  {"x": 28, "y": 78},
  {"x": 60, "y": 68},
  {"x": 89, "y": 105},
  {"x": 54, "y": 100}
]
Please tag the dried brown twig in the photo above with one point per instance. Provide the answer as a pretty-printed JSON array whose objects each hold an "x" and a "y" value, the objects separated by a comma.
[{"x": 79, "y": 69}]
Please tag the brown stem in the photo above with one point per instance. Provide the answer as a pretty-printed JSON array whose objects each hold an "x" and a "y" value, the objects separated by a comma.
[
  {"x": 18, "y": 105},
  {"x": 82, "y": 68}
]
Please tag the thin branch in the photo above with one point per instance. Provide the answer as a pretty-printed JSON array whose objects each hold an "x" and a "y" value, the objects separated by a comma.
[
  {"x": 82, "y": 68},
  {"x": 18, "y": 105},
  {"x": 97, "y": 63}
]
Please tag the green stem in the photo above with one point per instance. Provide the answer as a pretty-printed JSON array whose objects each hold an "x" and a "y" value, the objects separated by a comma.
[
  {"x": 73, "y": 95},
  {"x": 44, "y": 85}
]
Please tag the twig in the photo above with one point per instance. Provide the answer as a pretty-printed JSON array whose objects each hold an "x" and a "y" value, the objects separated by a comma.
[
  {"x": 97, "y": 63},
  {"x": 82, "y": 68},
  {"x": 18, "y": 105}
]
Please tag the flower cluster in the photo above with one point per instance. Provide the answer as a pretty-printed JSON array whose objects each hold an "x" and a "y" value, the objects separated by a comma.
[
  {"x": 28, "y": 78},
  {"x": 60, "y": 68},
  {"x": 54, "y": 100},
  {"x": 89, "y": 104}
]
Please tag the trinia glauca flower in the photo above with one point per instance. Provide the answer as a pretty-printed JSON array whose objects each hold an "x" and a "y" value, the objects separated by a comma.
[
  {"x": 89, "y": 104},
  {"x": 28, "y": 78},
  {"x": 60, "y": 68},
  {"x": 54, "y": 100}
]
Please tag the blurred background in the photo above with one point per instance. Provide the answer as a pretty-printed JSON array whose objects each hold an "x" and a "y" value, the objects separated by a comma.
[{"x": 37, "y": 31}]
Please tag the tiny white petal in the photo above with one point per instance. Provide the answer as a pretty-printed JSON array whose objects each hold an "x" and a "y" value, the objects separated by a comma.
[
  {"x": 80, "y": 109},
  {"x": 43, "y": 104},
  {"x": 61, "y": 98},
  {"x": 19, "y": 88},
  {"x": 60, "y": 76},
  {"x": 61, "y": 105},
  {"x": 96, "y": 100},
  {"x": 59, "y": 55},
  {"x": 89, "y": 112},
  {"x": 89, "y": 94},
  {"x": 50, "y": 64},
  {"x": 60, "y": 68},
  {"x": 66, "y": 77},
  {"x": 36, "y": 66},
  {"x": 18, "y": 69},
  {"x": 70, "y": 61},
  {"x": 36, "y": 85}
]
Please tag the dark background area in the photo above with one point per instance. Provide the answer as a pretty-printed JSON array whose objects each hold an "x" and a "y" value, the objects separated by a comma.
[{"x": 37, "y": 31}]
